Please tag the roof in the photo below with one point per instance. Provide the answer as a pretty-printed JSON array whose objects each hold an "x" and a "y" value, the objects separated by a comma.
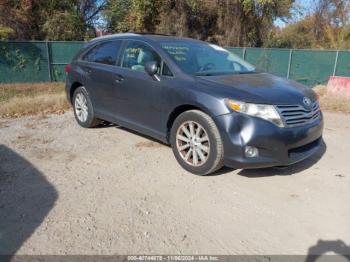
[{"x": 154, "y": 37}]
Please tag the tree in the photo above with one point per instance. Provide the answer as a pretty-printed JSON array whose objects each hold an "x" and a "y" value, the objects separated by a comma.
[
  {"x": 191, "y": 18},
  {"x": 133, "y": 15},
  {"x": 328, "y": 26},
  {"x": 115, "y": 14},
  {"x": 71, "y": 19},
  {"x": 297, "y": 35},
  {"x": 247, "y": 22},
  {"x": 20, "y": 17},
  {"x": 65, "y": 26},
  {"x": 227, "y": 22},
  {"x": 52, "y": 20}
]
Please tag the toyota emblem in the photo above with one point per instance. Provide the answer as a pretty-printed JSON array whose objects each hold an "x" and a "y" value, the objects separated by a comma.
[{"x": 307, "y": 101}]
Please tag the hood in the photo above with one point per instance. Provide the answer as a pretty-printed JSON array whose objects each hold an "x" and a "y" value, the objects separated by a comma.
[{"x": 259, "y": 88}]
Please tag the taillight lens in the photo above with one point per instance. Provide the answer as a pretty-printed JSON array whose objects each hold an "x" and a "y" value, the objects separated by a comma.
[{"x": 67, "y": 68}]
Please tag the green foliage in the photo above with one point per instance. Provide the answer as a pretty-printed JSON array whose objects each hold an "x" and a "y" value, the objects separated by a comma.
[
  {"x": 234, "y": 22},
  {"x": 226, "y": 22},
  {"x": 146, "y": 14},
  {"x": 64, "y": 26},
  {"x": 328, "y": 27},
  {"x": 48, "y": 19},
  {"x": 116, "y": 13},
  {"x": 6, "y": 33},
  {"x": 297, "y": 35},
  {"x": 18, "y": 58}
]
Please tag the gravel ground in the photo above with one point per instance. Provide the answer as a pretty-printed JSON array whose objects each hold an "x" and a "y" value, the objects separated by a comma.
[{"x": 69, "y": 190}]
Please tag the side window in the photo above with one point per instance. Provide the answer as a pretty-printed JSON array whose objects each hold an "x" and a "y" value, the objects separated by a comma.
[
  {"x": 137, "y": 54},
  {"x": 105, "y": 53},
  {"x": 166, "y": 70}
]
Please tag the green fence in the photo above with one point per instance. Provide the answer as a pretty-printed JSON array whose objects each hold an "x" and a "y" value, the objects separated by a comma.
[
  {"x": 310, "y": 67},
  {"x": 35, "y": 61},
  {"x": 45, "y": 61}
]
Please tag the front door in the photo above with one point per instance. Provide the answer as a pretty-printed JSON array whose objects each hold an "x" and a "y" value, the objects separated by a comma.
[{"x": 138, "y": 93}]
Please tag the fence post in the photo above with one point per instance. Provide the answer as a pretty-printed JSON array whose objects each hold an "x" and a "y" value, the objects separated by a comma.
[
  {"x": 335, "y": 63},
  {"x": 289, "y": 62},
  {"x": 244, "y": 52},
  {"x": 48, "y": 60}
]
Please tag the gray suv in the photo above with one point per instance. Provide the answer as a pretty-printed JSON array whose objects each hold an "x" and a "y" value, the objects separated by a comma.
[{"x": 211, "y": 106}]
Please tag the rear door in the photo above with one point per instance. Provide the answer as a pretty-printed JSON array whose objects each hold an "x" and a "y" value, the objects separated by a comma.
[{"x": 102, "y": 75}]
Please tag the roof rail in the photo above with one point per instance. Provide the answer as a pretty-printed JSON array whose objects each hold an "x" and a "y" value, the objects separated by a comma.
[
  {"x": 147, "y": 33},
  {"x": 128, "y": 34}
]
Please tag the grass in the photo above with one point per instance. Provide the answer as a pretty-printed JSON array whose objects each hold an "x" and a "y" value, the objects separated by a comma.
[
  {"x": 331, "y": 102},
  {"x": 17, "y": 100}
]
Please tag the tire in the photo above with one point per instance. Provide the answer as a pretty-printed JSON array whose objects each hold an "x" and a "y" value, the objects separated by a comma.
[
  {"x": 212, "y": 150},
  {"x": 83, "y": 110}
]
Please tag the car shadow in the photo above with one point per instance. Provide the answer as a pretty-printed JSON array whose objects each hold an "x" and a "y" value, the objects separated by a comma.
[
  {"x": 26, "y": 197},
  {"x": 322, "y": 247},
  {"x": 140, "y": 134},
  {"x": 250, "y": 173},
  {"x": 289, "y": 170},
  {"x": 224, "y": 170}
]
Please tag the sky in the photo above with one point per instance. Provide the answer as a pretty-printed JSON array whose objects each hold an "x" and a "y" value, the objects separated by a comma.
[{"x": 304, "y": 7}]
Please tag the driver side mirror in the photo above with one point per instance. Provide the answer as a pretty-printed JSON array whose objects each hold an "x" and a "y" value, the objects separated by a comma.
[{"x": 151, "y": 68}]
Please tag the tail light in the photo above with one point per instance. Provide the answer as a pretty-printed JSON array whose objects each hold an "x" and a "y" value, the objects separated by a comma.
[{"x": 67, "y": 68}]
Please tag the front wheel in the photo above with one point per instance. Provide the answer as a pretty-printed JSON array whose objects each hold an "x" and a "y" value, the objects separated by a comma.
[
  {"x": 196, "y": 143},
  {"x": 83, "y": 110}
]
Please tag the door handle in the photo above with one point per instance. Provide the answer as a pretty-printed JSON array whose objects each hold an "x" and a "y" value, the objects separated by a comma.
[{"x": 119, "y": 79}]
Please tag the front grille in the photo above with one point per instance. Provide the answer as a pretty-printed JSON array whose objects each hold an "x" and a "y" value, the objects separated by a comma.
[{"x": 293, "y": 115}]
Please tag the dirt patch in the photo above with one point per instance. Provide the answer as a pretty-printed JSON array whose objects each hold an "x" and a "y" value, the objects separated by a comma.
[
  {"x": 148, "y": 144},
  {"x": 23, "y": 138},
  {"x": 52, "y": 153},
  {"x": 30, "y": 125},
  {"x": 69, "y": 190},
  {"x": 3, "y": 124}
]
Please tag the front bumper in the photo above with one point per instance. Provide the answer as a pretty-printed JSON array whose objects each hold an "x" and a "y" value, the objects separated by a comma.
[{"x": 277, "y": 146}]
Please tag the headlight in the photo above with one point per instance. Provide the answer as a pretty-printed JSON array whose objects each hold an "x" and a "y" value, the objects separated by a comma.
[{"x": 267, "y": 112}]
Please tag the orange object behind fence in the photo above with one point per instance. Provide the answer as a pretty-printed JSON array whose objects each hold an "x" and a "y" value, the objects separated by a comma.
[{"x": 339, "y": 86}]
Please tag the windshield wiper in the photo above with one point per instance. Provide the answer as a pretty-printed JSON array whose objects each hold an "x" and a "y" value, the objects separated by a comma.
[
  {"x": 203, "y": 74},
  {"x": 247, "y": 72},
  {"x": 225, "y": 73}
]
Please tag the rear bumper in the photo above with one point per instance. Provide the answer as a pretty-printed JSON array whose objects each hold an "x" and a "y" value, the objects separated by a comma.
[
  {"x": 67, "y": 89},
  {"x": 277, "y": 146}
]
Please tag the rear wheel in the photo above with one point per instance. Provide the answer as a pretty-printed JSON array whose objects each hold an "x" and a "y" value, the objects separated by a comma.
[
  {"x": 83, "y": 110},
  {"x": 196, "y": 143}
]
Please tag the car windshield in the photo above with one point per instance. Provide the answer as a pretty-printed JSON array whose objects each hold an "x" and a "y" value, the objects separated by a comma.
[{"x": 202, "y": 59}]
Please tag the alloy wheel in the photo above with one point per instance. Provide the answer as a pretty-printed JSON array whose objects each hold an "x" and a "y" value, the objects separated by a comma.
[
  {"x": 192, "y": 143},
  {"x": 81, "y": 107}
]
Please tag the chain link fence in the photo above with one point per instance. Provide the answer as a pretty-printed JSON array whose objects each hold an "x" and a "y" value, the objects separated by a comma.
[
  {"x": 309, "y": 67},
  {"x": 35, "y": 61},
  {"x": 45, "y": 61}
]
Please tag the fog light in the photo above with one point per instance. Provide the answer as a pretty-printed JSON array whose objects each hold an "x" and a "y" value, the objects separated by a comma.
[{"x": 251, "y": 151}]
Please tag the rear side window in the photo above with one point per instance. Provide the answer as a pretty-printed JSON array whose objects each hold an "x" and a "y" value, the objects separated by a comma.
[{"x": 106, "y": 53}]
